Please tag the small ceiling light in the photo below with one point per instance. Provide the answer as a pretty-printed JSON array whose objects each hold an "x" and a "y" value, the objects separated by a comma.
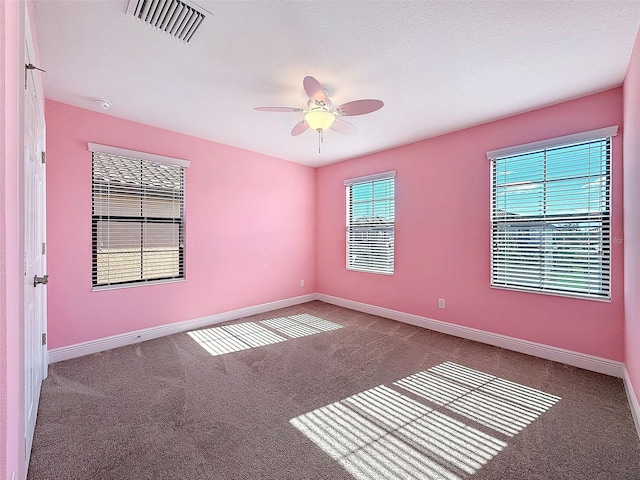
[{"x": 104, "y": 104}]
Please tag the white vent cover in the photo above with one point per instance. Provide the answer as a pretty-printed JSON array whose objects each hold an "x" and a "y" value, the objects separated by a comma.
[{"x": 179, "y": 18}]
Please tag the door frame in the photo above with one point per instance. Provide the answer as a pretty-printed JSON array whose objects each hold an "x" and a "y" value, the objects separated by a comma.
[{"x": 40, "y": 360}]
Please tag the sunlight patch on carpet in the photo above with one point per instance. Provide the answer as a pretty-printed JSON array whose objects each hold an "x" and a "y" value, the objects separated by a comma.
[
  {"x": 242, "y": 336},
  {"x": 382, "y": 433},
  {"x": 504, "y": 406},
  {"x": 233, "y": 338},
  {"x": 301, "y": 325}
]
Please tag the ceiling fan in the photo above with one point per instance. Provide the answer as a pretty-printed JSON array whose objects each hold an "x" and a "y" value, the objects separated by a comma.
[{"x": 320, "y": 114}]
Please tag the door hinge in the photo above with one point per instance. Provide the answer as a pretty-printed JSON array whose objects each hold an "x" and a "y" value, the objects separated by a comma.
[
  {"x": 44, "y": 248},
  {"x": 44, "y": 338},
  {"x": 27, "y": 67},
  {"x": 44, "y": 157},
  {"x": 31, "y": 66}
]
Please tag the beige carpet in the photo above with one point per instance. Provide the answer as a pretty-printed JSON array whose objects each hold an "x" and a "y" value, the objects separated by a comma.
[{"x": 321, "y": 392}]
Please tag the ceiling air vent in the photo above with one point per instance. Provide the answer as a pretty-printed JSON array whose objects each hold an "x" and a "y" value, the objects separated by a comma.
[{"x": 179, "y": 18}]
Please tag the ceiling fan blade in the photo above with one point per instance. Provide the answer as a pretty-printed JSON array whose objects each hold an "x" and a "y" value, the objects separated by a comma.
[
  {"x": 314, "y": 90},
  {"x": 360, "y": 107},
  {"x": 278, "y": 109},
  {"x": 299, "y": 128},
  {"x": 342, "y": 126}
]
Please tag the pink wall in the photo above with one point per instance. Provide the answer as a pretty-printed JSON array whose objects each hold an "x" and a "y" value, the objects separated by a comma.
[
  {"x": 442, "y": 233},
  {"x": 632, "y": 217},
  {"x": 249, "y": 234}
]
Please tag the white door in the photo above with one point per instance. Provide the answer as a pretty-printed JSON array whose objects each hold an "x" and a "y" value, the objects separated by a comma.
[{"x": 35, "y": 265}]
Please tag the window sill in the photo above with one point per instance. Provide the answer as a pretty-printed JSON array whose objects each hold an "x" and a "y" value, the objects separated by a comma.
[
  {"x": 575, "y": 296},
  {"x": 362, "y": 270},
  {"x": 100, "y": 288}
]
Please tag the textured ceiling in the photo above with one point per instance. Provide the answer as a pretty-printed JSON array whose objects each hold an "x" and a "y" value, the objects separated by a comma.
[{"x": 438, "y": 66}]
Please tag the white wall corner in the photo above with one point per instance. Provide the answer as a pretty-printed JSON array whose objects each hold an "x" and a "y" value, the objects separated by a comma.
[
  {"x": 576, "y": 359},
  {"x": 128, "y": 338},
  {"x": 633, "y": 400}
]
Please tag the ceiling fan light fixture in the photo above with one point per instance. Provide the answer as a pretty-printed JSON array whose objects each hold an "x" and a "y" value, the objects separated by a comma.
[
  {"x": 319, "y": 119},
  {"x": 320, "y": 114}
]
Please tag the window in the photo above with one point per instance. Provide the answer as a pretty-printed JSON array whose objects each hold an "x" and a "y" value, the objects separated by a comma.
[
  {"x": 370, "y": 223},
  {"x": 551, "y": 214},
  {"x": 137, "y": 217}
]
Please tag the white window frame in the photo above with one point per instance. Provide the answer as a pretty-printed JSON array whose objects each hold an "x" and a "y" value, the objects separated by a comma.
[
  {"x": 366, "y": 249},
  {"x": 106, "y": 213},
  {"x": 573, "y": 255}
]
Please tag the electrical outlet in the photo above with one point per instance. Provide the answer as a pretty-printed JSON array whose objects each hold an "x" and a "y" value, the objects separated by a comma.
[
  {"x": 441, "y": 303},
  {"x": 302, "y": 283}
]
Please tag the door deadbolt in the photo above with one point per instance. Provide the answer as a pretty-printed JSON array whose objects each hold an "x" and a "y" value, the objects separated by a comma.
[{"x": 43, "y": 280}]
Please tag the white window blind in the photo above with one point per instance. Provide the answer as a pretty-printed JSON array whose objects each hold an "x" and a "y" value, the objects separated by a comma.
[
  {"x": 137, "y": 220},
  {"x": 551, "y": 217},
  {"x": 371, "y": 223}
]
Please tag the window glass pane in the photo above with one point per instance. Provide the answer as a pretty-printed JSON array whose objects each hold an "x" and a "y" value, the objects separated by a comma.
[
  {"x": 520, "y": 199},
  {"x": 361, "y": 191},
  {"x": 117, "y": 265},
  {"x": 112, "y": 203},
  {"x": 161, "y": 235},
  {"x": 525, "y": 168},
  {"x": 161, "y": 207},
  {"x": 118, "y": 234}
]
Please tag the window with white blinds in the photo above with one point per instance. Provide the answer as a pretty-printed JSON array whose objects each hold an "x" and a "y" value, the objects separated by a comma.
[
  {"x": 371, "y": 223},
  {"x": 137, "y": 220},
  {"x": 551, "y": 216}
]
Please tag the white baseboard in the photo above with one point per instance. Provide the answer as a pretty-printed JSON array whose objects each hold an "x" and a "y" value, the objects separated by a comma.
[
  {"x": 633, "y": 400},
  {"x": 576, "y": 359},
  {"x": 115, "y": 341}
]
